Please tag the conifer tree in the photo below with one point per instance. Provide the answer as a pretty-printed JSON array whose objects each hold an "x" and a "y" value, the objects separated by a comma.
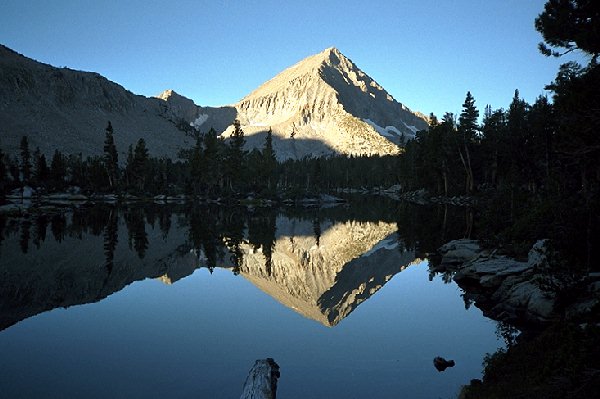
[
  {"x": 140, "y": 165},
  {"x": 493, "y": 145},
  {"x": 518, "y": 143},
  {"x": 41, "y": 171},
  {"x": 58, "y": 170},
  {"x": 467, "y": 132},
  {"x": 196, "y": 165},
  {"x": 434, "y": 154},
  {"x": 212, "y": 160},
  {"x": 570, "y": 25},
  {"x": 542, "y": 130},
  {"x": 25, "y": 160},
  {"x": 235, "y": 161},
  {"x": 269, "y": 161},
  {"x": 3, "y": 173},
  {"x": 111, "y": 159},
  {"x": 129, "y": 168}
]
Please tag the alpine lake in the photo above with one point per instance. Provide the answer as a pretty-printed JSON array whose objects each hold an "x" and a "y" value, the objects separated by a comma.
[{"x": 167, "y": 300}]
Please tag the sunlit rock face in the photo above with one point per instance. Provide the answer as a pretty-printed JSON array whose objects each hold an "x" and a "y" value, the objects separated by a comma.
[
  {"x": 323, "y": 105},
  {"x": 325, "y": 277}
]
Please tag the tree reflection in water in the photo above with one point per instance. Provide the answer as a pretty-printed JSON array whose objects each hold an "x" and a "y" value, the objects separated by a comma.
[
  {"x": 420, "y": 228},
  {"x": 188, "y": 236}
]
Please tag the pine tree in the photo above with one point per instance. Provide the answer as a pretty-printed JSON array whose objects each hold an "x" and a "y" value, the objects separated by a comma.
[
  {"x": 235, "y": 160},
  {"x": 570, "y": 25},
  {"x": 41, "y": 171},
  {"x": 129, "y": 168},
  {"x": 542, "y": 127},
  {"x": 493, "y": 144},
  {"x": 212, "y": 161},
  {"x": 25, "y": 160},
  {"x": 435, "y": 154},
  {"x": 196, "y": 166},
  {"x": 14, "y": 169},
  {"x": 58, "y": 170},
  {"x": 3, "y": 173},
  {"x": 140, "y": 165},
  {"x": 111, "y": 159},
  {"x": 467, "y": 132},
  {"x": 518, "y": 143},
  {"x": 269, "y": 161}
]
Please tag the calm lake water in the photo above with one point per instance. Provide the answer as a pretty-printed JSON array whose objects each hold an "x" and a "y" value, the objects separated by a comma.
[{"x": 172, "y": 301}]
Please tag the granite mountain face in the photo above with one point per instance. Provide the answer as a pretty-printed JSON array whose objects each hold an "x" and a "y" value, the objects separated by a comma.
[
  {"x": 68, "y": 110},
  {"x": 329, "y": 106},
  {"x": 322, "y": 105}
]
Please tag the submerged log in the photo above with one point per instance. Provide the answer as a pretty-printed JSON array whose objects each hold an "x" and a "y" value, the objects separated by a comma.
[{"x": 261, "y": 382}]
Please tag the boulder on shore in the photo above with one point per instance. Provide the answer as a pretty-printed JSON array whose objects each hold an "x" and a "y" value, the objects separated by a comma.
[{"x": 504, "y": 288}]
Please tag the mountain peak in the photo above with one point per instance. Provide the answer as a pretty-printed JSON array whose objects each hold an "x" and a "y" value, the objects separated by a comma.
[
  {"x": 312, "y": 66},
  {"x": 332, "y": 50},
  {"x": 169, "y": 94},
  {"x": 326, "y": 96}
]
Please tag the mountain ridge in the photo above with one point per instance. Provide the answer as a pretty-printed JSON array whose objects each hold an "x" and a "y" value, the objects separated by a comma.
[
  {"x": 68, "y": 110},
  {"x": 322, "y": 105}
]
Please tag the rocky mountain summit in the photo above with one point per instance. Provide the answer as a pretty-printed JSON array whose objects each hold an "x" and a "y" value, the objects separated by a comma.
[
  {"x": 322, "y": 105},
  {"x": 325, "y": 104}
]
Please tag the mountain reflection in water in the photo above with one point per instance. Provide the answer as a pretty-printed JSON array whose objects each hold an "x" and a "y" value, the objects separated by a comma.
[
  {"x": 199, "y": 336},
  {"x": 321, "y": 267},
  {"x": 325, "y": 278}
]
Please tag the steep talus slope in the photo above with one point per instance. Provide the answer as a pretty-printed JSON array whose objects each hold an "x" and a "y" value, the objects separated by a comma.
[
  {"x": 364, "y": 98},
  {"x": 68, "y": 110}
]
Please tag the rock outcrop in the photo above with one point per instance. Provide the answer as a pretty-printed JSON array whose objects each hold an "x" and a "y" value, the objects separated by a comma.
[
  {"x": 519, "y": 292},
  {"x": 442, "y": 364}
]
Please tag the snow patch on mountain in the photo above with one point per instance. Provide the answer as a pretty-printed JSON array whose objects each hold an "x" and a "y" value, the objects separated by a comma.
[
  {"x": 387, "y": 244},
  {"x": 384, "y": 131},
  {"x": 199, "y": 121},
  {"x": 412, "y": 128}
]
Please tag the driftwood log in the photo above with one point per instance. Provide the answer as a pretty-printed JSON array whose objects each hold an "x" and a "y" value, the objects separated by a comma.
[{"x": 261, "y": 382}]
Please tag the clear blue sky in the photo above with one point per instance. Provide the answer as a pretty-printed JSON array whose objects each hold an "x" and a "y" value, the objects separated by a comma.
[{"x": 426, "y": 53}]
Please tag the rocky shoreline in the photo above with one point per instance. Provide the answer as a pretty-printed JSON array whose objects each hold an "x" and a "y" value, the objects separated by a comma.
[
  {"x": 21, "y": 200},
  {"x": 521, "y": 293},
  {"x": 422, "y": 197}
]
